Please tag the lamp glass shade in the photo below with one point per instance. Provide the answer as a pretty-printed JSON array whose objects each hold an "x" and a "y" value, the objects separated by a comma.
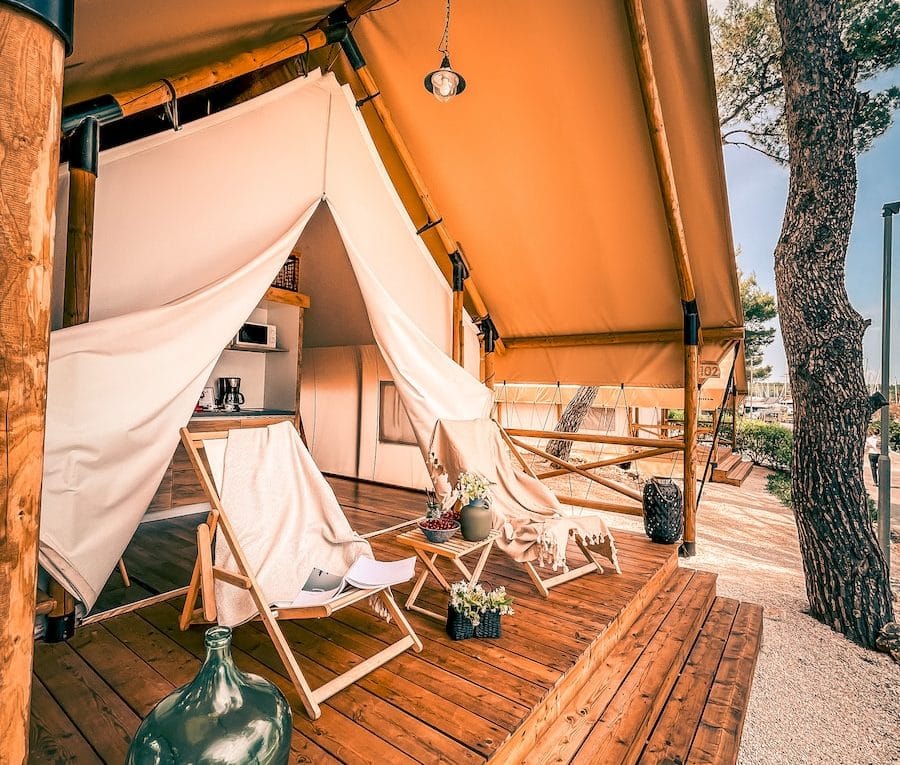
[{"x": 444, "y": 83}]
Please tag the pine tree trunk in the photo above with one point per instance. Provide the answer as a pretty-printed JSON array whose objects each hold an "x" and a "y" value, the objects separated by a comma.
[
  {"x": 846, "y": 576},
  {"x": 572, "y": 417}
]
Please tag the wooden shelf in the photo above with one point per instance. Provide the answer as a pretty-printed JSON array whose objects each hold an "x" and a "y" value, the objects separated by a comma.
[
  {"x": 279, "y": 295},
  {"x": 260, "y": 349}
]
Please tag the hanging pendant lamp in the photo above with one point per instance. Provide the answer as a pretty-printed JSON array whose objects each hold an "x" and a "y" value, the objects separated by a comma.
[{"x": 445, "y": 82}]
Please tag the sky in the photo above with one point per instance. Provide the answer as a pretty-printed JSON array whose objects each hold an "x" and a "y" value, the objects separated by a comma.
[{"x": 757, "y": 190}]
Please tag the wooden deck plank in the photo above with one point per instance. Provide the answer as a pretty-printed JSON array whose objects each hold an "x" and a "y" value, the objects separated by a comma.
[
  {"x": 674, "y": 732},
  {"x": 179, "y": 667},
  {"x": 456, "y": 702},
  {"x": 463, "y": 690},
  {"x": 566, "y": 734},
  {"x": 336, "y": 733},
  {"x": 719, "y": 734},
  {"x": 134, "y": 680},
  {"x": 620, "y": 733},
  {"x": 53, "y": 737},
  {"x": 104, "y": 719}
]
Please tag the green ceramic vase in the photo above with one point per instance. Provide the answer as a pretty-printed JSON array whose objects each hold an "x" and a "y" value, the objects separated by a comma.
[
  {"x": 222, "y": 717},
  {"x": 475, "y": 519}
]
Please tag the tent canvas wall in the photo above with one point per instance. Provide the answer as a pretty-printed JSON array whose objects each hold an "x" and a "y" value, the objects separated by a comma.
[{"x": 227, "y": 188}]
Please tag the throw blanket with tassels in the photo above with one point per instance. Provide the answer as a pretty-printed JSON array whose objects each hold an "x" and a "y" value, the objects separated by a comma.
[{"x": 534, "y": 526}]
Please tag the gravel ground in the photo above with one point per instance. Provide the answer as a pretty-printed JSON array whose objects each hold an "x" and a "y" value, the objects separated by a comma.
[{"x": 817, "y": 697}]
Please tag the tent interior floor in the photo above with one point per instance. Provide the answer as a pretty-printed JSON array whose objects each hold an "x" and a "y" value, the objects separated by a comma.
[{"x": 648, "y": 666}]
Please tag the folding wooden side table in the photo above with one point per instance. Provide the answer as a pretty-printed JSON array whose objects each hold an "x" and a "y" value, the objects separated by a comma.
[{"x": 454, "y": 551}]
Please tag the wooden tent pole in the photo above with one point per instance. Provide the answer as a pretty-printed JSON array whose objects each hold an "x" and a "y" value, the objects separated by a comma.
[
  {"x": 31, "y": 59},
  {"x": 83, "y": 162},
  {"x": 160, "y": 92},
  {"x": 640, "y": 45},
  {"x": 643, "y": 337}
]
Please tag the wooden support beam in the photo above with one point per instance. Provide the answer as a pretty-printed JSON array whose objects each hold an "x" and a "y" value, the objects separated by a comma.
[
  {"x": 597, "y": 438},
  {"x": 450, "y": 245},
  {"x": 691, "y": 405},
  {"x": 615, "y": 486},
  {"x": 31, "y": 60},
  {"x": 278, "y": 295},
  {"x": 595, "y": 504},
  {"x": 643, "y": 59},
  {"x": 79, "y": 246},
  {"x": 489, "y": 373},
  {"x": 620, "y": 338},
  {"x": 457, "y": 328},
  {"x": 158, "y": 93},
  {"x": 298, "y": 419},
  {"x": 618, "y": 460}
]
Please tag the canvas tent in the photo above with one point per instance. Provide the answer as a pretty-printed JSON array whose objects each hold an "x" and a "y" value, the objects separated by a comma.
[
  {"x": 121, "y": 385},
  {"x": 543, "y": 166}
]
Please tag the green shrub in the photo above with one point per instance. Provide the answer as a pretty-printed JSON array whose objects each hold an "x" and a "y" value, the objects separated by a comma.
[
  {"x": 778, "y": 484},
  {"x": 766, "y": 443}
]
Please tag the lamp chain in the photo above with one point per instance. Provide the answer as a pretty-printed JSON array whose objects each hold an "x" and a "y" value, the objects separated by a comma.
[{"x": 444, "y": 47}]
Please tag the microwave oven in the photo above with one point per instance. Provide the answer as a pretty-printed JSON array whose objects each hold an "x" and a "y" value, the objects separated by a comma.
[{"x": 253, "y": 335}]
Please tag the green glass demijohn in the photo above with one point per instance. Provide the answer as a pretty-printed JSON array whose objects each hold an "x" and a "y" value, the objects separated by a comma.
[{"x": 222, "y": 717}]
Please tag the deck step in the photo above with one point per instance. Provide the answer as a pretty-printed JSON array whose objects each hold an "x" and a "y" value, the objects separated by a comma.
[
  {"x": 727, "y": 463},
  {"x": 738, "y": 474},
  {"x": 703, "y": 718},
  {"x": 609, "y": 719}
]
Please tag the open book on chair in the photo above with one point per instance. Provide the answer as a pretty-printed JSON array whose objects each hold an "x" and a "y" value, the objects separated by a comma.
[{"x": 365, "y": 574}]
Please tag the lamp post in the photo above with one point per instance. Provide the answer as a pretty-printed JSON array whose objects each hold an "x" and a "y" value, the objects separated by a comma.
[{"x": 884, "y": 460}]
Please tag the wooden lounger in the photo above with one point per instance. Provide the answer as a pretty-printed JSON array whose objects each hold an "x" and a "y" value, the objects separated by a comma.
[{"x": 206, "y": 573}]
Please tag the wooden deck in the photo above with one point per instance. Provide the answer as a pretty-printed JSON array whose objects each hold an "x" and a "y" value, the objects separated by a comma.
[{"x": 647, "y": 665}]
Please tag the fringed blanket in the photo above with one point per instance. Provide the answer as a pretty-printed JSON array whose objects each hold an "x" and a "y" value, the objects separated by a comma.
[
  {"x": 531, "y": 518},
  {"x": 285, "y": 516}
]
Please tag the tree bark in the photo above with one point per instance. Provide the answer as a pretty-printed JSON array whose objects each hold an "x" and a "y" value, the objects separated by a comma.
[
  {"x": 572, "y": 417},
  {"x": 846, "y": 575}
]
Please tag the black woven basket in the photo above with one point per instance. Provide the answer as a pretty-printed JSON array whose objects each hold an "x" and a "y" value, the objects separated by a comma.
[
  {"x": 287, "y": 276},
  {"x": 459, "y": 627},
  {"x": 663, "y": 510}
]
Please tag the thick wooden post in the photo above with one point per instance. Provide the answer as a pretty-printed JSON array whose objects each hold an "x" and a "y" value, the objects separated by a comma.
[
  {"x": 85, "y": 147},
  {"x": 80, "y": 230},
  {"x": 489, "y": 335},
  {"x": 643, "y": 60},
  {"x": 691, "y": 407},
  {"x": 31, "y": 60}
]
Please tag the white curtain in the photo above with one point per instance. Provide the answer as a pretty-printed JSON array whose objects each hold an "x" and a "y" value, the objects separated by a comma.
[{"x": 190, "y": 228}]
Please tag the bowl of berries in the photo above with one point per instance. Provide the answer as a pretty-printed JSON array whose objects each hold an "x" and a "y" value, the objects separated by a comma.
[{"x": 440, "y": 528}]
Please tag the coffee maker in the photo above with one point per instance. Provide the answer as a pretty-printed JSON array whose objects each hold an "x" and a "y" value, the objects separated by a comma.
[{"x": 230, "y": 396}]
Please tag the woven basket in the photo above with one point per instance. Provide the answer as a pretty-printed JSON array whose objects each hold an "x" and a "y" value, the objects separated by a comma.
[
  {"x": 459, "y": 627},
  {"x": 287, "y": 276},
  {"x": 663, "y": 510}
]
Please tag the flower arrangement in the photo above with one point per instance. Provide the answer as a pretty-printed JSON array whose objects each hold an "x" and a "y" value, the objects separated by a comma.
[
  {"x": 473, "y": 487},
  {"x": 473, "y": 601}
]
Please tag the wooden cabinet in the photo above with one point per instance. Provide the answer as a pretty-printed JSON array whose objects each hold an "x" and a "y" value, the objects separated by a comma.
[{"x": 179, "y": 486}]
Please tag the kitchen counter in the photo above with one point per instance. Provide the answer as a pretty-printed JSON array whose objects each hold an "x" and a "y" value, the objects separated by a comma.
[{"x": 219, "y": 414}]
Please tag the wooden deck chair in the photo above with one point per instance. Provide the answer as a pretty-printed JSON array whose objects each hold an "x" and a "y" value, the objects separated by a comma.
[
  {"x": 205, "y": 573},
  {"x": 544, "y": 585}
]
